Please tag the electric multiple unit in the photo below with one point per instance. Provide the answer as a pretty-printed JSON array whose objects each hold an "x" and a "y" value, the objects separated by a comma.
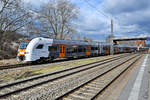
[{"x": 39, "y": 49}]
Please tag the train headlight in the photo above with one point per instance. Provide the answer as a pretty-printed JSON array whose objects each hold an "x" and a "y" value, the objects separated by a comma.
[
  {"x": 21, "y": 52},
  {"x": 26, "y": 52}
]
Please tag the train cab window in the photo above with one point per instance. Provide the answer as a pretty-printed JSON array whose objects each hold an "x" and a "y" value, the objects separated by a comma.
[
  {"x": 40, "y": 46},
  {"x": 23, "y": 45}
]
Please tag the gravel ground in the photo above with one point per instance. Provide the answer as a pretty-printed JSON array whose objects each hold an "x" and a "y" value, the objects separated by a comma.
[
  {"x": 24, "y": 72},
  {"x": 53, "y": 89}
]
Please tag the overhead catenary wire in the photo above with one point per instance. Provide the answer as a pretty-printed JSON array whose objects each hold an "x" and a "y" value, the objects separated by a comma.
[{"x": 99, "y": 11}]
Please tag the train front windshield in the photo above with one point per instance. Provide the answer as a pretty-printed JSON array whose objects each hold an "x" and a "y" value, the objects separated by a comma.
[{"x": 23, "y": 45}]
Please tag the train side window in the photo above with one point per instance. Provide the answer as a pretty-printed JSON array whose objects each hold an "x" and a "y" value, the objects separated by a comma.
[
  {"x": 79, "y": 50},
  {"x": 84, "y": 49},
  {"x": 93, "y": 48},
  {"x": 96, "y": 48},
  {"x": 40, "y": 46},
  {"x": 67, "y": 50},
  {"x": 60, "y": 50},
  {"x": 104, "y": 48},
  {"x": 63, "y": 50},
  {"x": 52, "y": 48},
  {"x": 74, "y": 50}
]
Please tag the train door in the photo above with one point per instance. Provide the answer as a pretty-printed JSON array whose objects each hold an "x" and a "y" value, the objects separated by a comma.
[
  {"x": 107, "y": 50},
  {"x": 61, "y": 51},
  {"x": 88, "y": 50},
  {"x": 116, "y": 50},
  {"x": 129, "y": 50}
]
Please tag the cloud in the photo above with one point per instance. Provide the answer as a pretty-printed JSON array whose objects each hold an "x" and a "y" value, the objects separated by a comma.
[
  {"x": 91, "y": 23},
  {"x": 123, "y": 6},
  {"x": 131, "y": 16}
]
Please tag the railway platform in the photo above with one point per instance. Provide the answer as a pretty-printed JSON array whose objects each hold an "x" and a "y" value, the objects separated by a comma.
[{"x": 138, "y": 87}]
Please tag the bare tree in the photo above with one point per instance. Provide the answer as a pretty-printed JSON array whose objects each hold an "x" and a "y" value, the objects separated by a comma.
[
  {"x": 13, "y": 17},
  {"x": 56, "y": 18}
]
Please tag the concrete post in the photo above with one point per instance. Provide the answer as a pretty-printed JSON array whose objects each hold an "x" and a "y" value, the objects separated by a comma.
[
  {"x": 111, "y": 39},
  {"x": 112, "y": 47}
]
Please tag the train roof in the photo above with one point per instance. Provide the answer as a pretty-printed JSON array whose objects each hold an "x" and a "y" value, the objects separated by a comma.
[
  {"x": 73, "y": 42},
  {"x": 56, "y": 41}
]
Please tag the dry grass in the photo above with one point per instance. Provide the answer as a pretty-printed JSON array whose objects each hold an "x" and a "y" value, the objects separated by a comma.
[
  {"x": 62, "y": 66},
  {"x": 14, "y": 75},
  {"x": 8, "y": 62}
]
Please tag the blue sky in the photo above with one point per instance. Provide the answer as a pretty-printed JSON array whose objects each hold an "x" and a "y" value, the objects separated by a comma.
[{"x": 131, "y": 17}]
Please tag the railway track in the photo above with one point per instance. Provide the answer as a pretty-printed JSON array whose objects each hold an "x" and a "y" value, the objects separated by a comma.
[
  {"x": 25, "y": 84},
  {"x": 4, "y": 67},
  {"x": 92, "y": 88}
]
